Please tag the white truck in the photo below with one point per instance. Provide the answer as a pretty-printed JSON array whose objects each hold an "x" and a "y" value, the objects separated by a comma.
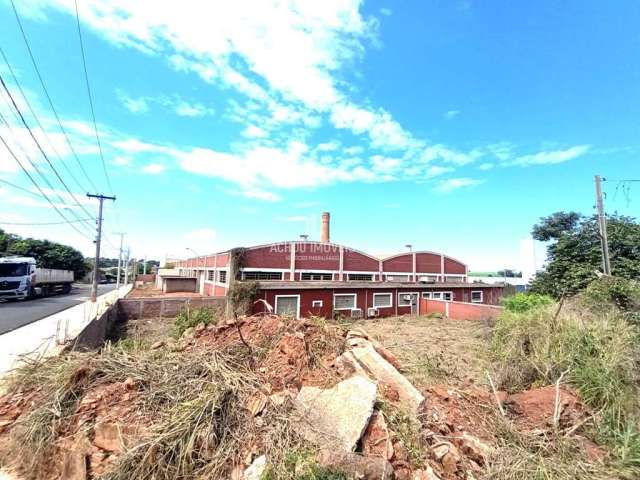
[{"x": 20, "y": 279}]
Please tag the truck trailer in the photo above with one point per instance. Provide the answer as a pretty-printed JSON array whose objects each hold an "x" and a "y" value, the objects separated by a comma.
[{"x": 21, "y": 279}]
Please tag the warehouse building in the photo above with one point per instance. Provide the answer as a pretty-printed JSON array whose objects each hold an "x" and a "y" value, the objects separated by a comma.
[{"x": 305, "y": 278}]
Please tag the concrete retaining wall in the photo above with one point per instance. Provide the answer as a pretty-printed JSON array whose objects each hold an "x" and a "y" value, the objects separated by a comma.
[
  {"x": 133, "y": 308},
  {"x": 51, "y": 335}
]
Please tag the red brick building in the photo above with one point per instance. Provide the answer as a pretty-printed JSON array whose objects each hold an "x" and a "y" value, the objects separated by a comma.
[{"x": 307, "y": 278}]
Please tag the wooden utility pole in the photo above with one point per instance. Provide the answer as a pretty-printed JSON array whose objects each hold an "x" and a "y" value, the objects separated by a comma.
[
  {"x": 602, "y": 225},
  {"x": 94, "y": 286}
]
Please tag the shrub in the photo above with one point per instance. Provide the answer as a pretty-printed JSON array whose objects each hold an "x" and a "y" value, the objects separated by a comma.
[
  {"x": 190, "y": 318},
  {"x": 523, "y": 302},
  {"x": 607, "y": 291},
  {"x": 241, "y": 296},
  {"x": 599, "y": 350}
]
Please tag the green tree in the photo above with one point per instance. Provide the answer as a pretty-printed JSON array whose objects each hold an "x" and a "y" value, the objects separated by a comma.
[
  {"x": 574, "y": 255},
  {"x": 50, "y": 255},
  {"x": 6, "y": 239}
]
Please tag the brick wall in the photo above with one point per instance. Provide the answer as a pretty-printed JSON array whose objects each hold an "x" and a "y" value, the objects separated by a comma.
[
  {"x": 460, "y": 310},
  {"x": 133, "y": 308}
]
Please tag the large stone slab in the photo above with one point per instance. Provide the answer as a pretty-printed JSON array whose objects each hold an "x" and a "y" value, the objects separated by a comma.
[
  {"x": 336, "y": 417},
  {"x": 386, "y": 374}
]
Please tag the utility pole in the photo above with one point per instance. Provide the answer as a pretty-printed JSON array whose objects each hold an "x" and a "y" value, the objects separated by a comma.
[
  {"x": 144, "y": 266},
  {"x": 119, "y": 261},
  {"x": 94, "y": 286},
  {"x": 602, "y": 224},
  {"x": 126, "y": 268}
]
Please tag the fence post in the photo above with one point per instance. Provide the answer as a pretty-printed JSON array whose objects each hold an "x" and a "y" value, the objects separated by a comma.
[{"x": 446, "y": 309}]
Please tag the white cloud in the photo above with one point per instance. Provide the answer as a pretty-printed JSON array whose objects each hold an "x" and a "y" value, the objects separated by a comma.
[
  {"x": 175, "y": 103},
  {"x": 134, "y": 105},
  {"x": 259, "y": 194},
  {"x": 121, "y": 161},
  {"x": 450, "y": 114},
  {"x": 436, "y": 170},
  {"x": 486, "y": 166},
  {"x": 448, "y": 155},
  {"x": 254, "y": 132},
  {"x": 386, "y": 11},
  {"x": 294, "y": 219},
  {"x": 551, "y": 157},
  {"x": 153, "y": 168},
  {"x": 447, "y": 186}
]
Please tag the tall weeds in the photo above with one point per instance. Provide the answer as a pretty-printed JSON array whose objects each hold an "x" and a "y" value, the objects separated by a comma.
[{"x": 599, "y": 348}]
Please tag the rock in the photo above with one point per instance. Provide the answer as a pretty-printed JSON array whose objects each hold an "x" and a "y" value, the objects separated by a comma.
[
  {"x": 386, "y": 374},
  {"x": 376, "y": 440},
  {"x": 200, "y": 327},
  {"x": 450, "y": 463},
  {"x": 426, "y": 474},
  {"x": 357, "y": 338},
  {"x": 440, "y": 451},
  {"x": 74, "y": 465},
  {"x": 107, "y": 437},
  {"x": 158, "y": 344},
  {"x": 257, "y": 403},
  {"x": 189, "y": 333},
  {"x": 354, "y": 465},
  {"x": 476, "y": 448},
  {"x": 256, "y": 469},
  {"x": 130, "y": 383},
  {"x": 336, "y": 417}
]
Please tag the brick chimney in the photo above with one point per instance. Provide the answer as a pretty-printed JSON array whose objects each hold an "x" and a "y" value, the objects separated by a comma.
[{"x": 324, "y": 228}]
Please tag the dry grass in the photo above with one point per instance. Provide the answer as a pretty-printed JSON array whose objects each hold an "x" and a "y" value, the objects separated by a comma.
[{"x": 433, "y": 350}]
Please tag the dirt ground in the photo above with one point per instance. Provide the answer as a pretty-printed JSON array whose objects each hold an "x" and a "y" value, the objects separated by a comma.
[
  {"x": 433, "y": 350},
  {"x": 148, "y": 330}
]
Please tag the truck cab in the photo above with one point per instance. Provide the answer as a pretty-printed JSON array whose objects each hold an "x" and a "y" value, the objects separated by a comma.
[{"x": 17, "y": 275}]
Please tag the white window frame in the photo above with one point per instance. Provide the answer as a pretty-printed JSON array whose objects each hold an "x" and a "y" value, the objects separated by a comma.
[
  {"x": 407, "y": 275},
  {"x": 440, "y": 296},
  {"x": 388, "y": 305},
  {"x": 220, "y": 272},
  {"x": 316, "y": 303},
  {"x": 355, "y": 300},
  {"x": 211, "y": 276},
  {"x": 275, "y": 308},
  {"x": 427, "y": 295},
  {"x": 481, "y": 296},
  {"x": 400, "y": 304}
]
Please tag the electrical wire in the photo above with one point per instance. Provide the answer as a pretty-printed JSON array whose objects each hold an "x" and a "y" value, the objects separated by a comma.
[
  {"x": 42, "y": 129},
  {"x": 44, "y": 178},
  {"x": 46, "y": 92},
  {"x": 40, "y": 189},
  {"x": 93, "y": 115},
  {"x": 46, "y": 157},
  {"x": 41, "y": 224},
  {"x": 26, "y": 190}
]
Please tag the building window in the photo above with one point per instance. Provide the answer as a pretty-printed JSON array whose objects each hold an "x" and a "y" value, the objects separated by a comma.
[
  {"x": 447, "y": 296},
  {"x": 396, "y": 278},
  {"x": 360, "y": 277},
  {"x": 344, "y": 301},
  {"x": 407, "y": 299},
  {"x": 316, "y": 304},
  {"x": 222, "y": 276},
  {"x": 316, "y": 276},
  {"x": 211, "y": 275},
  {"x": 453, "y": 278},
  {"x": 428, "y": 278},
  {"x": 288, "y": 305},
  {"x": 382, "y": 300},
  {"x": 262, "y": 275},
  {"x": 476, "y": 296},
  {"x": 426, "y": 295}
]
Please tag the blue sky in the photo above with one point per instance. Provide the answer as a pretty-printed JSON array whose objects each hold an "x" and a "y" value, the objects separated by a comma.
[{"x": 450, "y": 125}]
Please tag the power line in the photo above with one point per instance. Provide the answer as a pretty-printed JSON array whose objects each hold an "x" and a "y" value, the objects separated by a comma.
[
  {"x": 33, "y": 113},
  {"x": 44, "y": 178},
  {"x": 40, "y": 189},
  {"x": 24, "y": 122},
  {"x": 46, "y": 92},
  {"x": 44, "y": 223},
  {"x": 26, "y": 190},
  {"x": 93, "y": 115}
]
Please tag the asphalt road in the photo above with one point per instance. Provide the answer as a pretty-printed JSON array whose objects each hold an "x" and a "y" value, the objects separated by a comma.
[{"x": 19, "y": 313}]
